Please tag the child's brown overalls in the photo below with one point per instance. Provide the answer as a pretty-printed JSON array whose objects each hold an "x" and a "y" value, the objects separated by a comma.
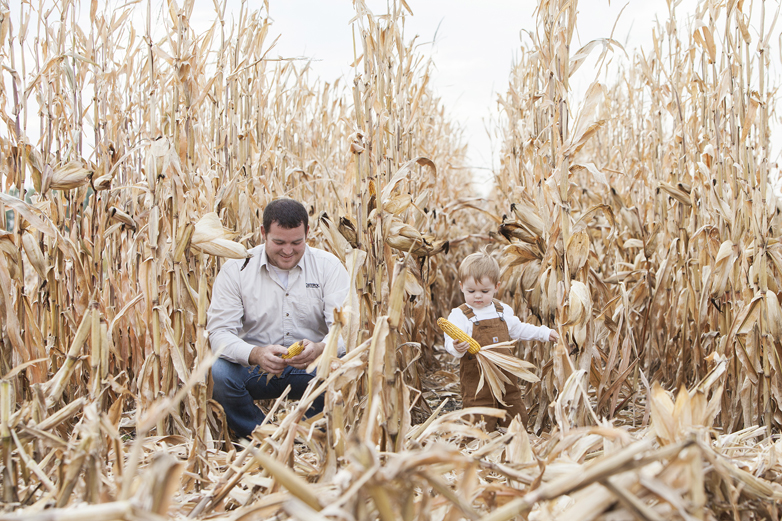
[{"x": 487, "y": 332}]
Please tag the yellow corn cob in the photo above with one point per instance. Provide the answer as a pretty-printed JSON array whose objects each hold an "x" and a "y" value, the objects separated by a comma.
[
  {"x": 294, "y": 350},
  {"x": 458, "y": 335}
]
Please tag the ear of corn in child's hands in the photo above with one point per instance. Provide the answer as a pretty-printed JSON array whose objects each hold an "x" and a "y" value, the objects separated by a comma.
[
  {"x": 458, "y": 335},
  {"x": 294, "y": 350}
]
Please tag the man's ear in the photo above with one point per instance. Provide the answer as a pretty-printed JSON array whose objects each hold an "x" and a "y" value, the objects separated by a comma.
[{"x": 263, "y": 233}]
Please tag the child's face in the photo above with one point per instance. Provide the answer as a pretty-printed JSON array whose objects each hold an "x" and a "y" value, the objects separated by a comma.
[{"x": 478, "y": 294}]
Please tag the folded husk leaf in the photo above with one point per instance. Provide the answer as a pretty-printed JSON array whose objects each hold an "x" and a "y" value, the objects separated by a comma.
[
  {"x": 210, "y": 237},
  {"x": 70, "y": 175}
]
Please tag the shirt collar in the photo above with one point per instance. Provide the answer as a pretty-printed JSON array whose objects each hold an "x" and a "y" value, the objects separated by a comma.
[{"x": 491, "y": 307}]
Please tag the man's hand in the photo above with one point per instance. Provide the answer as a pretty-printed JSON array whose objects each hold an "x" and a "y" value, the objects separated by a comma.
[
  {"x": 312, "y": 350},
  {"x": 268, "y": 358},
  {"x": 461, "y": 347}
]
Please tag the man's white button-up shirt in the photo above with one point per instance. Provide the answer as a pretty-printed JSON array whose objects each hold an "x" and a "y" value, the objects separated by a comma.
[{"x": 251, "y": 307}]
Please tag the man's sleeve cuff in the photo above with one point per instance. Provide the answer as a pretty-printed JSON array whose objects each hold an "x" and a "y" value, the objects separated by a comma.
[{"x": 236, "y": 352}]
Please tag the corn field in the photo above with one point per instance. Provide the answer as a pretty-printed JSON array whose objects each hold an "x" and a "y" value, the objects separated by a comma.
[{"x": 639, "y": 219}]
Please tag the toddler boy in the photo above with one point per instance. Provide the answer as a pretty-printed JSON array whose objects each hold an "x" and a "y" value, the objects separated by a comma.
[{"x": 488, "y": 321}]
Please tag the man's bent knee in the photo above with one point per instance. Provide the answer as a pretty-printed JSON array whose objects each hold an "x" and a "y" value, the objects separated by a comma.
[{"x": 226, "y": 376}]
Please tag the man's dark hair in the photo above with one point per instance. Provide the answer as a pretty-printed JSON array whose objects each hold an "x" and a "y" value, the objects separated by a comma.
[{"x": 287, "y": 213}]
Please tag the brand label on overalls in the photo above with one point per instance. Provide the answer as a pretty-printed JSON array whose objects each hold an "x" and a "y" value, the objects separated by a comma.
[{"x": 495, "y": 339}]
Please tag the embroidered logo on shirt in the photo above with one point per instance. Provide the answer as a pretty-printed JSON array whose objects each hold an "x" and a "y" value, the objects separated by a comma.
[
  {"x": 312, "y": 285},
  {"x": 495, "y": 339}
]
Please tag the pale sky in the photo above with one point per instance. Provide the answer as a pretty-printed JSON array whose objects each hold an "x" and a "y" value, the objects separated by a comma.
[{"x": 472, "y": 44}]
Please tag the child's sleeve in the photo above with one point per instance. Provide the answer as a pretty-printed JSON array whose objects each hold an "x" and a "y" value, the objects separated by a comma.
[
  {"x": 519, "y": 330},
  {"x": 458, "y": 319}
]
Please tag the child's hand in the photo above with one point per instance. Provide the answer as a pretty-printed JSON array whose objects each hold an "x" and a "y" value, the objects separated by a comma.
[
  {"x": 553, "y": 336},
  {"x": 461, "y": 347}
]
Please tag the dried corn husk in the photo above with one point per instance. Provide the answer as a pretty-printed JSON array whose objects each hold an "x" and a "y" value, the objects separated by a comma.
[
  {"x": 35, "y": 255},
  {"x": 122, "y": 217},
  {"x": 493, "y": 364},
  {"x": 70, "y": 175},
  {"x": 210, "y": 237}
]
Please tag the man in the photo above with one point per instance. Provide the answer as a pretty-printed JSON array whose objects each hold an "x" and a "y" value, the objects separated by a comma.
[{"x": 284, "y": 293}]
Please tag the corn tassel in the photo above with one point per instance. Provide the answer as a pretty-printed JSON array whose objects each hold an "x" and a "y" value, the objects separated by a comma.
[{"x": 458, "y": 335}]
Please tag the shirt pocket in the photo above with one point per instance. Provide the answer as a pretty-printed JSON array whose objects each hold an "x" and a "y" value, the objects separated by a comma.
[{"x": 309, "y": 309}]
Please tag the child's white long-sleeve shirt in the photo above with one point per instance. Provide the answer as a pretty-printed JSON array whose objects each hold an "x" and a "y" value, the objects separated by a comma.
[{"x": 518, "y": 330}]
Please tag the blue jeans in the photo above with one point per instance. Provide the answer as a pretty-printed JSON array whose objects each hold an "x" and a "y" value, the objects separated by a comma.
[{"x": 236, "y": 386}]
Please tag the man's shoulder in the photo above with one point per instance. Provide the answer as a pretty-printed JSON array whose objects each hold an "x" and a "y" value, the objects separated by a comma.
[
  {"x": 322, "y": 257},
  {"x": 232, "y": 265},
  {"x": 256, "y": 252}
]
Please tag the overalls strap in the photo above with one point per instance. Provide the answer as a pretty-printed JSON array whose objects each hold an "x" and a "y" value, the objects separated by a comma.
[{"x": 464, "y": 308}]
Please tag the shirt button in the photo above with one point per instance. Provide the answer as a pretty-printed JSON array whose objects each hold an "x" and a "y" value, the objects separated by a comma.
[
  {"x": 287, "y": 314},
  {"x": 286, "y": 294},
  {"x": 288, "y": 334}
]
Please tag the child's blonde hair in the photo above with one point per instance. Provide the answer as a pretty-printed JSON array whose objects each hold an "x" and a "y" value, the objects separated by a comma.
[{"x": 479, "y": 265}]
